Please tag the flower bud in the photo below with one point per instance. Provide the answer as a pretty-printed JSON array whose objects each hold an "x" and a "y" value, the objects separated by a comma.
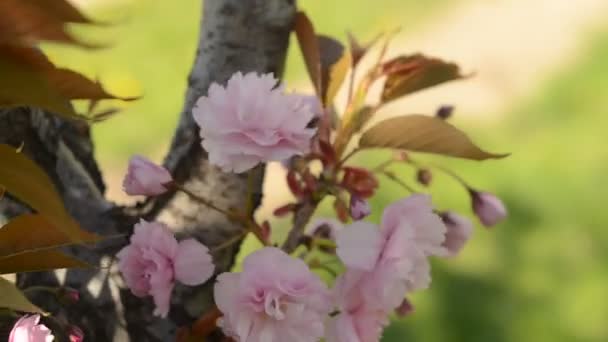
[
  {"x": 359, "y": 181},
  {"x": 68, "y": 294},
  {"x": 459, "y": 230},
  {"x": 145, "y": 178},
  {"x": 489, "y": 209},
  {"x": 341, "y": 210},
  {"x": 359, "y": 208},
  {"x": 324, "y": 229},
  {"x": 424, "y": 176},
  {"x": 445, "y": 112},
  {"x": 405, "y": 308}
]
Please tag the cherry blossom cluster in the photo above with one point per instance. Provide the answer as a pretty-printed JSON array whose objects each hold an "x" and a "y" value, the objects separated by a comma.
[{"x": 277, "y": 296}]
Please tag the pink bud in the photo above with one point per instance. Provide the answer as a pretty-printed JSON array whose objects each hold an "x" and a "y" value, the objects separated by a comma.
[
  {"x": 488, "y": 208},
  {"x": 459, "y": 229},
  {"x": 405, "y": 308},
  {"x": 76, "y": 334},
  {"x": 145, "y": 178},
  {"x": 359, "y": 208}
]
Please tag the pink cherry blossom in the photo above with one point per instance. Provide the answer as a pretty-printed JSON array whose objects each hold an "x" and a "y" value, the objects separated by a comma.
[
  {"x": 275, "y": 298},
  {"x": 459, "y": 230},
  {"x": 488, "y": 208},
  {"x": 388, "y": 261},
  {"x": 28, "y": 329},
  {"x": 145, "y": 178},
  {"x": 251, "y": 121},
  {"x": 314, "y": 104},
  {"x": 154, "y": 260},
  {"x": 359, "y": 245},
  {"x": 356, "y": 319}
]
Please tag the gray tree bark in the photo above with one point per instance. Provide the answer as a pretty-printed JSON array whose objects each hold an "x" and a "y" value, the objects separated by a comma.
[{"x": 235, "y": 35}]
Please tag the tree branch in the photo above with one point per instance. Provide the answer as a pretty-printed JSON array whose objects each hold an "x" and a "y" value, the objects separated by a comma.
[{"x": 236, "y": 35}]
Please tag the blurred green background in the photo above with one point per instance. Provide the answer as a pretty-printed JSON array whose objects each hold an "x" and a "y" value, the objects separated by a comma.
[{"x": 540, "y": 276}]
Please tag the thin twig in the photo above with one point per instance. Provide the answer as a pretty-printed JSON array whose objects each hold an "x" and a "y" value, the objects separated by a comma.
[
  {"x": 229, "y": 242},
  {"x": 395, "y": 179},
  {"x": 301, "y": 217}
]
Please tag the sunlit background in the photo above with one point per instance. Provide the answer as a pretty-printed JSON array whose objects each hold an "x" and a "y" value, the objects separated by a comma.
[{"x": 540, "y": 91}]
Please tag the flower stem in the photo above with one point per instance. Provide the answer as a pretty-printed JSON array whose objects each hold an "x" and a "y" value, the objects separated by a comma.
[{"x": 395, "y": 179}]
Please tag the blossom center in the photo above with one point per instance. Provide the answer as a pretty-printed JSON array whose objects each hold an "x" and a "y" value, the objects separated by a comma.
[{"x": 274, "y": 307}]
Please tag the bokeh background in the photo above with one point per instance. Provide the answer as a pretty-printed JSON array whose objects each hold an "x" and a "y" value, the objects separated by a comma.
[{"x": 540, "y": 91}]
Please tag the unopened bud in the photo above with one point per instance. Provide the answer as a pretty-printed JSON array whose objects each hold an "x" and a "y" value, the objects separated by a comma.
[
  {"x": 341, "y": 210},
  {"x": 359, "y": 181},
  {"x": 68, "y": 294},
  {"x": 405, "y": 308},
  {"x": 459, "y": 230},
  {"x": 424, "y": 176},
  {"x": 324, "y": 229},
  {"x": 489, "y": 209},
  {"x": 445, "y": 112},
  {"x": 359, "y": 208}
]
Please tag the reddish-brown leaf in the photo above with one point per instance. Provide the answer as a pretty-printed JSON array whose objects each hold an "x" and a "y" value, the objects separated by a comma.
[
  {"x": 27, "y": 21},
  {"x": 422, "y": 133},
  {"x": 358, "y": 50},
  {"x": 42, "y": 260},
  {"x": 24, "y": 179},
  {"x": 326, "y": 59},
  {"x": 408, "y": 74},
  {"x": 30, "y": 79},
  {"x": 33, "y": 232},
  {"x": 309, "y": 45},
  {"x": 335, "y": 63}
]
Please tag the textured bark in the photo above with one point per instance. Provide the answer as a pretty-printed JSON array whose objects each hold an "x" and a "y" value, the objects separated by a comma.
[{"x": 236, "y": 35}]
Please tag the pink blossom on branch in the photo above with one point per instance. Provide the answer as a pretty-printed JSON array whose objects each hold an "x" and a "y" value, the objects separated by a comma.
[
  {"x": 275, "y": 298},
  {"x": 388, "y": 261},
  {"x": 252, "y": 120},
  {"x": 145, "y": 178},
  {"x": 154, "y": 260},
  {"x": 357, "y": 319},
  {"x": 28, "y": 329}
]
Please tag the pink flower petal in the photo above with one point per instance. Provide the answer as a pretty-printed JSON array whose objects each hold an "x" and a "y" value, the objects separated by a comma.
[
  {"x": 193, "y": 264},
  {"x": 359, "y": 245}
]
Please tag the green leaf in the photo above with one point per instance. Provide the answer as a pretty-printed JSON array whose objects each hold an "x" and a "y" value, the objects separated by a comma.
[
  {"x": 408, "y": 74},
  {"x": 42, "y": 260},
  {"x": 421, "y": 133},
  {"x": 12, "y": 298},
  {"x": 25, "y": 180},
  {"x": 33, "y": 232}
]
